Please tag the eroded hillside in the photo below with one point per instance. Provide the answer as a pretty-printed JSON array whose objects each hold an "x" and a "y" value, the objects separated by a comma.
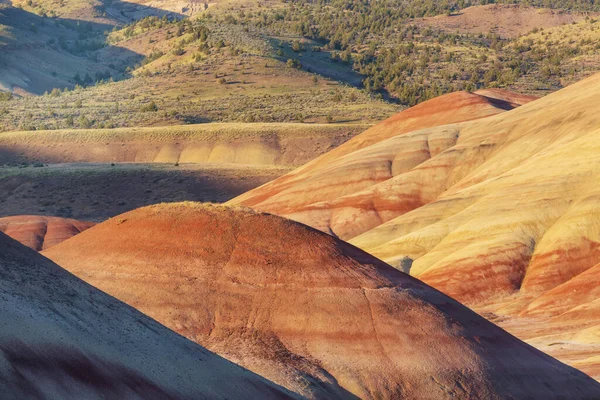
[{"x": 498, "y": 212}]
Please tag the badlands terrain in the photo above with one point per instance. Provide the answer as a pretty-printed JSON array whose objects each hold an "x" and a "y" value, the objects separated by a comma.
[
  {"x": 62, "y": 338},
  {"x": 497, "y": 212},
  {"x": 305, "y": 310},
  {"x": 269, "y": 199}
]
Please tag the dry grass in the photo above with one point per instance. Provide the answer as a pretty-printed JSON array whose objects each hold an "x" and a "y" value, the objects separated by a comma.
[
  {"x": 196, "y": 133},
  {"x": 98, "y": 191}
]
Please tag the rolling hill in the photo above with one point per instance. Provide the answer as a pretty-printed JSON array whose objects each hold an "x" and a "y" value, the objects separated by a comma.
[
  {"x": 63, "y": 339},
  {"x": 498, "y": 213},
  {"x": 39, "y": 232},
  {"x": 275, "y": 144},
  {"x": 505, "y": 20},
  {"x": 306, "y": 310},
  {"x": 95, "y": 174}
]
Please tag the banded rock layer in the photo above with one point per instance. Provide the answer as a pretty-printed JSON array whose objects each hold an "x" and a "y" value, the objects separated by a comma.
[
  {"x": 306, "y": 310},
  {"x": 60, "y": 338},
  {"x": 500, "y": 213},
  {"x": 40, "y": 232}
]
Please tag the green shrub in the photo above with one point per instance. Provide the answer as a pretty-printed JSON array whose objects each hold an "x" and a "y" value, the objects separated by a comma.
[
  {"x": 293, "y": 63},
  {"x": 150, "y": 107}
]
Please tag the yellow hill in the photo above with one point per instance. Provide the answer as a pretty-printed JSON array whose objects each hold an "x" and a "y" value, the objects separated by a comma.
[{"x": 500, "y": 213}]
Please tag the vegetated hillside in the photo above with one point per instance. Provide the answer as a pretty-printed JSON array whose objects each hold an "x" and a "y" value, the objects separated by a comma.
[
  {"x": 498, "y": 212},
  {"x": 95, "y": 192},
  {"x": 53, "y": 46},
  {"x": 504, "y": 20},
  {"x": 413, "y": 61},
  {"x": 302, "y": 62},
  {"x": 39, "y": 232},
  {"x": 289, "y": 144},
  {"x": 194, "y": 72},
  {"x": 63, "y": 339},
  {"x": 306, "y": 310}
]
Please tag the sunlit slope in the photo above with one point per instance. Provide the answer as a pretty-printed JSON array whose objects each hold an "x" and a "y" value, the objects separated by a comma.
[
  {"x": 306, "y": 310},
  {"x": 524, "y": 218},
  {"x": 336, "y": 192},
  {"x": 218, "y": 143}
]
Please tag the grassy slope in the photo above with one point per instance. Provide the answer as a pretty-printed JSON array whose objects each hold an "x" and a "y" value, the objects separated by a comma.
[
  {"x": 244, "y": 81},
  {"x": 98, "y": 191},
  {"x": 239, "y": 143}
]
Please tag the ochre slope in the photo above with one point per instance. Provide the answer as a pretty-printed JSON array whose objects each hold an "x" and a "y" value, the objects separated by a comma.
[
  {"x": 40, "y": 232},
  {"x": 306, "y": 310},
  {"x": 63, "y": 339},
  {"x": 518, "y": 236},
  {"x": 377, "y": 155},
  {"x": 525, "y": 216}
]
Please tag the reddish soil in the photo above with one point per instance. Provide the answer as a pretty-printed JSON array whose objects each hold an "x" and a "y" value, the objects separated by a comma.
[
  {"x": 39, "y": 232},
  {"x": 307, "y": 311},
  {"x": 507, "y": 21},
  {"x": 63, "y": 339}
]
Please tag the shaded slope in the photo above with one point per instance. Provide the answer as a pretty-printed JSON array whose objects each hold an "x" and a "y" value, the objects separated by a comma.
[
  {"x": 96, "y": 192},
  {"x": 39, "y": 232},
  {"x": 38, "y": 55},
  {"x": 63, "y": 339},
  {"x": 306, "y": 310}
]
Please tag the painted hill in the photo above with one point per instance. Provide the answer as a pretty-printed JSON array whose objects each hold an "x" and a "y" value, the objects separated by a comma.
[
  {"x": 524, "y": 190},
  {"x": 40, "y": 232},
  {"x": 499, "y": 213},
  {"x": 323, "y": 193},
  {"x": 63, "y": 339},
  {"x": 306, "y": 310}
]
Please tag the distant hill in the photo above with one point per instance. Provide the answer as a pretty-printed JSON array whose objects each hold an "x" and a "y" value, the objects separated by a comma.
[
  {"x": 39, "y": 232},
  {"x": 505, "y": 20}
]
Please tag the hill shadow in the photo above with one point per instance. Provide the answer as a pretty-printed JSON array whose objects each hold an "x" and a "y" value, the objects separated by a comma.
[
  {"x": 319, "y": 62},
  {"x": 99, "y": 191}
]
